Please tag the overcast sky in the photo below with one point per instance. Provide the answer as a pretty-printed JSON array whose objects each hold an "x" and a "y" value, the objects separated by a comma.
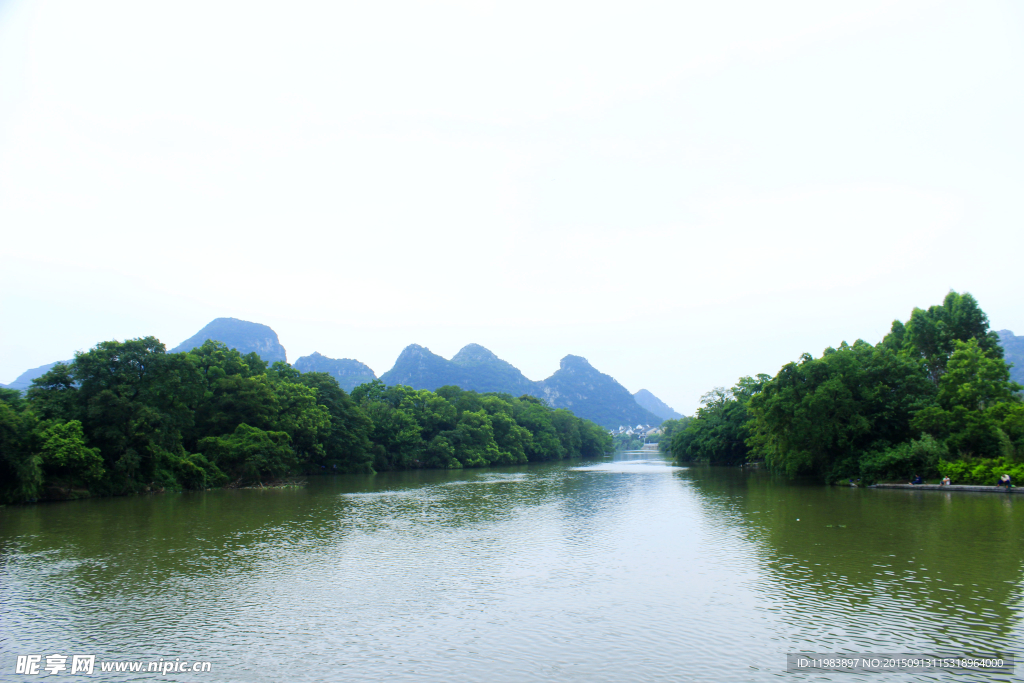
[{"x": 682, "y": 193}]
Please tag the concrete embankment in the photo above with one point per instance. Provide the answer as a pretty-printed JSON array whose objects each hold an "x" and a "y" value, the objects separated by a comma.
[{"x": 951, "y": 487}]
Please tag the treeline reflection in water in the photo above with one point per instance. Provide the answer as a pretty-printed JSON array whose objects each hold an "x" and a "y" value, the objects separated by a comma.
[
  {"x": 621, "y": 570},
  {"x": 867, "y": 570}
]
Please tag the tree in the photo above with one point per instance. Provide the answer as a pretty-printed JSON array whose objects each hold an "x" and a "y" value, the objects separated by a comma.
[
  {"x": 66, "y": 457},
  {"x": 535, "y": 417},
  {"x": 718, "y": 433},
  {"x": 236, "y": 390},
  {"x": 134, "y": 402},
  {"x": 669, "y": 428},
  {"x": 567, "y": 427},
  {"x": 511, "y": 439},
  {"x": 21, "y": 475},
  {"x": 975, "y": 378},
  {"x": 974, "y": 397},
  {"x": 395, "y": 435},
  {"x": 818, "y": 416},
  {"x": 251, "y": 454},
  {"x": 298, "y": 414},
  {"x": 347, "y": 444},
  {"x": 932, "y": 335},
  {"x": 473, "y": 439},
  {"x": 594, "y": 440}
]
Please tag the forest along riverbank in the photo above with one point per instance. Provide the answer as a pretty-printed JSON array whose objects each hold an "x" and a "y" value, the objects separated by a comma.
[
  {"x": 934, "y": 398},
  {"x": 128, "y": 417},
  {"x": 606, "y": 570}
]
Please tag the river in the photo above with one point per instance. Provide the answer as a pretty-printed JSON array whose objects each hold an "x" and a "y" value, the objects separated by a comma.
[{"x": 622, "y": 570}]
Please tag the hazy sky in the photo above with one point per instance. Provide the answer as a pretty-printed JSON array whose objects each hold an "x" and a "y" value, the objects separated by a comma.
[{"x": 683, "y": 193}]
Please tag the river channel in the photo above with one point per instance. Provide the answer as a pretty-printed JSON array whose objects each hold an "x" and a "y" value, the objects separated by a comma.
[{"x": 620, "y": 570}]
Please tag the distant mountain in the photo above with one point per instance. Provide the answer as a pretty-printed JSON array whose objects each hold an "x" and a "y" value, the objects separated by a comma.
[
  {"x": 576, "y": 386},
  {"x": 654, "y": 404},
  {"x": 24, "y": 380},
  {"x": 473, "y": 368},
  {"x": 487, "y": 372},
  {"x": 419, "y": 368},
  {"x": 349, "y": 373},
  {"x": 238, "y": 334},
  {"x": 1013, "y": 352},
  {"x": 595, "y": 396}
]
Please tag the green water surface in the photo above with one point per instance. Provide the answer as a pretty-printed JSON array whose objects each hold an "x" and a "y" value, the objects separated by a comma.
[{"x": 626, "y": 570}]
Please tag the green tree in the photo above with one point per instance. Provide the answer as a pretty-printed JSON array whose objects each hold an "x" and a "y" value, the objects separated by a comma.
[
  {"x": 594, "y": 440},
  {"x": 974, "y": 398},
  {"x": 932, "y": 335},
  {"x": 347, "y": 444},
  {"x": 234, "y": 392},
  {"x": 669, "y": 428},
  {"x": 718, "y": 433},
  {"x": 298, "y": 414},
  {"x": 251, "y": 454},
  {"x": 395, "y": 435},
  {"x": 535, "y": 417},
  {"x": 66, "y": 457},
  {"x": 975, "y": 378},
  {"x": 511, "y": 439},
  {"x": 473, "y": 439},
  {"x": 21, "y": 475},
  {"x": 818, "y": 416},
  {"x": 134, "y": 402}
]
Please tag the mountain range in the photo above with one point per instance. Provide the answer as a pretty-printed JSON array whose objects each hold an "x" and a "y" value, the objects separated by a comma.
[{"x": 576, "y": 386}]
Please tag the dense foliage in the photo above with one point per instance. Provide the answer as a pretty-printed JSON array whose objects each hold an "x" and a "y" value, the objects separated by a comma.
[
  {"x": 934, "y": 397},
  {"x": 127, "y": 416},
  {"x": 669, "y": 428}
]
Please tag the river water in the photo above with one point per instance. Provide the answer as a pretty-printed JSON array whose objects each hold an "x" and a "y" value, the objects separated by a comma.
[{"x": 622, "y": 570}]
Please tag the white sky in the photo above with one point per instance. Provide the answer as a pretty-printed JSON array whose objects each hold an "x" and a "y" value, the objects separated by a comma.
[{"x": 683, "y": 193}]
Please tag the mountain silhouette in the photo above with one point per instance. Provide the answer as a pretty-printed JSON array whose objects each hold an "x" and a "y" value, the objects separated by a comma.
[
  {"x": 349, "y": 373},
  {"x": 654, "y": 404},
  {"x": 238, "y": 334},
  {"x": 576, "y": 386}
]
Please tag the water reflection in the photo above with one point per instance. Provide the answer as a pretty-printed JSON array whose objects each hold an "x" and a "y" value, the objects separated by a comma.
[
  {"x": 625, "y": 569},
  {"x": 854, "y": 569}
]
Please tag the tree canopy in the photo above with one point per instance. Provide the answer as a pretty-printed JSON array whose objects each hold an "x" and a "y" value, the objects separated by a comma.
[
  {"x": 933, "y": 396},
  {"x": 127, "y": 416}
]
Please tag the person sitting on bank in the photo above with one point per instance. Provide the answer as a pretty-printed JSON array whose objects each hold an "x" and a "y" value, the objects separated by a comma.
[
  {"x": 1005, "y": 481},
  {"x": 945, "y": 481},
  {"x": 917, "y": 479}
]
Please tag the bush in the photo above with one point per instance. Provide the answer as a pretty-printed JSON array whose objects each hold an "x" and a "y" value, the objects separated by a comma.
[
  {"x": 194, "y": 471},
  {"x": 981, "y": 472},
  {"x": 900, "y": 463},
  {"x": 250, "y": 454}
]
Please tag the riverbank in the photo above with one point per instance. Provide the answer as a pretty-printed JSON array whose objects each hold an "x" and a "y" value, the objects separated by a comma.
[{"x": 949, "y": 487}]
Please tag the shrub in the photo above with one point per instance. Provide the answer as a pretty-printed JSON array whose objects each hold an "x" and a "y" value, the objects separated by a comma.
[
  {"x": 981, "y": 472},
  {"x": 920, "y": 456}
]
